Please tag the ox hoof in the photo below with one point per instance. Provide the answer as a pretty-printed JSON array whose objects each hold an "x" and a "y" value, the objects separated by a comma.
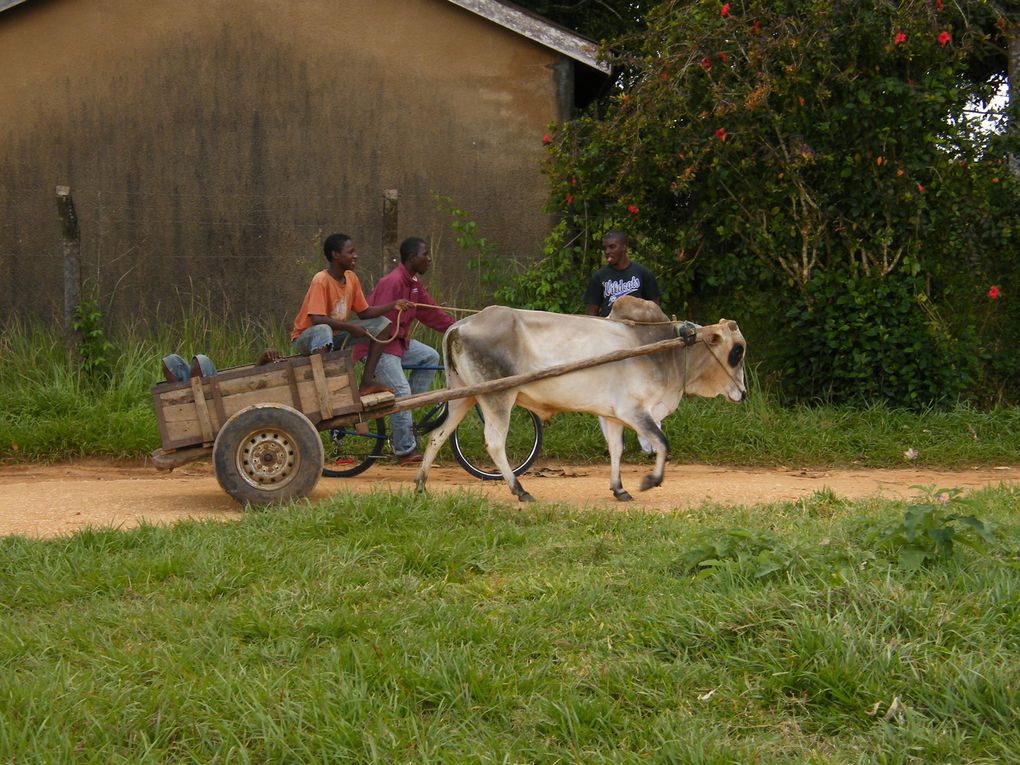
[
  {"x": 525, "y": 497},
  {"x": 419, "y": 487},
  {"x": 650, "y": 482},
  {"x": 623, "y": 495}
]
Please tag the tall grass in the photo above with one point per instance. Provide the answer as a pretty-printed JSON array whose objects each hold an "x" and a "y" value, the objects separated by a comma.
[
  {"x": 52, "y": 411},
  {"x": 401, "y": 628}
]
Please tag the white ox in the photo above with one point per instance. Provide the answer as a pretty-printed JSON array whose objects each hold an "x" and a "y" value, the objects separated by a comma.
[{"x": 636, "y": 392}]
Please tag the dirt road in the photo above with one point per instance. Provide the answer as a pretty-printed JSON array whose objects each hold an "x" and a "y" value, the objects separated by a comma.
[
  {"x": 52, "y": 500},
  {"x": 44, "y": 501}
]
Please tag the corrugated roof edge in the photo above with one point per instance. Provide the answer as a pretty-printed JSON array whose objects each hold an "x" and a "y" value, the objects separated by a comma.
[
  {"x": 5, "y": 4},
  {"x": 539, "y": 29}
]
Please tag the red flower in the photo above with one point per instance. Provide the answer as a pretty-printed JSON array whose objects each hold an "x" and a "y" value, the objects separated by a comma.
[
  {"x": 939, "y": 4},
  {"x": 573, "y": 180},
  {"x": 546, "y": 138},
  {"x": 706, "y": 63},
  {"x": 632, "y": 209},
  {"x": 665, "y": 76},
  {"x": 993, "y": 292},
  {"x": 900, "y": 38},
  {"x": 681, "y": 255},
  {"x": 920, "y": 188},
  {"x": 722, "y": 56},
  {"x": 756, "y": 25},
  {"x": 721, "y": 134},
  {"x": 944, "y": 38},
  {"x": 725, "y": 10},
  {"x": 570, "y": 199}
]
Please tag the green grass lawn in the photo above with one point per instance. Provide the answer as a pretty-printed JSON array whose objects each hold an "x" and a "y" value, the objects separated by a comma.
[{"x": 402, "y": 628}]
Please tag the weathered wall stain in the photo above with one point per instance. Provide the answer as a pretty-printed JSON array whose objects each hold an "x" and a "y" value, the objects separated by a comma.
[{"x": 210, "y": 146}]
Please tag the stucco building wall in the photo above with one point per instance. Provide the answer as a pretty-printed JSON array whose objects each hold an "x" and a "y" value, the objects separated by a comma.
[{"x": 210, "y": 146}]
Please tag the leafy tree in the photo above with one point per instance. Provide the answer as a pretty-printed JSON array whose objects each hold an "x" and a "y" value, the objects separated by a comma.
[
  {"x": 597, "y": 19},
  {"x": 811, "y": 165}
]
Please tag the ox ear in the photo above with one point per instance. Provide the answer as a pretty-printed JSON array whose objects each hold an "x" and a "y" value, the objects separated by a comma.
[{"x": 732, "y": 326}]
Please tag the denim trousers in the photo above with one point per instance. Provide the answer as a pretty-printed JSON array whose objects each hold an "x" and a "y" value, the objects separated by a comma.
[
  {"x": 320, "y": 335},
  {"x": 390, "y": 371}
]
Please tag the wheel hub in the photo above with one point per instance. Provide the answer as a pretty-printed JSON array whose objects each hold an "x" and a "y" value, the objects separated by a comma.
[{"x": 267, "y": 458}]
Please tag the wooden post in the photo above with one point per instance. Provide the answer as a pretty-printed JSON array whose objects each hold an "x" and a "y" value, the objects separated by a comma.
[
  {"x": 390, "y": 252},
  {"x": 72, "y": 263}
]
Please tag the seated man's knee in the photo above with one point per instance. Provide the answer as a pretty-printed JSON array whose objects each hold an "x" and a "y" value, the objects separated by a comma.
[{"x": 314, "y": 339}]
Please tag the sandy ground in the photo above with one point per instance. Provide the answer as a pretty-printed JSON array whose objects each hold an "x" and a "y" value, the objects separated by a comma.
[{"x": 53, "y": 500}]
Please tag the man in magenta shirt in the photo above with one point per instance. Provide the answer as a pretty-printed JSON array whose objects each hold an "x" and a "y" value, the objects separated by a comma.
[{"x": 403, "y": 283}]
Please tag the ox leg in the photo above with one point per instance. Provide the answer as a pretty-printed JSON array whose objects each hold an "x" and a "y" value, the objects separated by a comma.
[
  {"x": 458, "y": 407},
  {"x": 613, "y": 431},
  {"x": 496, "y": 411},
  {"x": 647, "y": 429}
]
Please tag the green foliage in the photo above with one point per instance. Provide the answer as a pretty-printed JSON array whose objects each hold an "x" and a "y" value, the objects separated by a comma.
[
  {"x": 761, "y": 553},
  {"x": 755, "y": 148},
  {"x": 929, "y": 530},
  {"x": 95, "y": 351},
  {"x": 865, "y": 339}
]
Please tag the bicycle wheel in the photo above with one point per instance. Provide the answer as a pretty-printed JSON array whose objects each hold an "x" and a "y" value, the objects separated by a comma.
[
  {"x": 523, "y": 442},
  {"x": 350, "y": 453}
]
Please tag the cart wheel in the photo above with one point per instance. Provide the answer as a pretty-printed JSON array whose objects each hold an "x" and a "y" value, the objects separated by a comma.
[{"x": 267, "y": 454}]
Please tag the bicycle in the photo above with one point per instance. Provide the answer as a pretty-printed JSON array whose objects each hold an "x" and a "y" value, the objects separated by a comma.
[{"x": 352, "y": 452}]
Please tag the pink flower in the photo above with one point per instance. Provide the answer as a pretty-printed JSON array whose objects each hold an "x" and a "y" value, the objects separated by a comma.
[
  {"x": 944, "y": 38},
  {"x": 725, "y": 10},
  {"x": 920, "y": 188},
  {"x": 721, "y": 134},
  {"x": 632, "y": 209},
  {"x": 547, "y": 139},
  {"x": 706, "y": 63},
  {"x": 993, "y": 292},
  {"x": 570, "y": 199},
  {"x": 900, "y": 38}
]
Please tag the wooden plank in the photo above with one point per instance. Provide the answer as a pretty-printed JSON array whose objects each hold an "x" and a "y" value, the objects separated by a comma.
[
  {"x": 295, "y": 393},
  {"x": 503, "y": 383},
  {"x": 204, "y": 421},
  {"x": 321, "y": 389}
]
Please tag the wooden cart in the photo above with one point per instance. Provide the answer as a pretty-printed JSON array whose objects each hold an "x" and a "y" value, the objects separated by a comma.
[{"x": 260, "y": 424}]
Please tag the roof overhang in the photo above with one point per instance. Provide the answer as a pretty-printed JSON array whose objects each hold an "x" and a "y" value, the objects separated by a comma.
[
  {"x": 540, "y": 30},
  {"x": 5, "y": 4}
]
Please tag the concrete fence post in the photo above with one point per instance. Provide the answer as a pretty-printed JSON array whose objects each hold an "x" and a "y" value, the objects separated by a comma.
[{"x": 72, "y": 263}]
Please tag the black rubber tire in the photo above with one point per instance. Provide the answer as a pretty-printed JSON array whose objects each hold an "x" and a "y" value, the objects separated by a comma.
[
  {"x": 352, "y": 453},
  {"x": 267, "y": 454},
  {"x": 524, "y": 442}
]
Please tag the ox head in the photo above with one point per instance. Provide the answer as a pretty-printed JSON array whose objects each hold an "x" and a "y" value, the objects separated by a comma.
[{"x": 718, "y": 362}]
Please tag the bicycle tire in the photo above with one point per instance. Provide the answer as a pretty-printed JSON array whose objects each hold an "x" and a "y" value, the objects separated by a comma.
[
  {"x": 524, "y": 441},
  {"x": 352, "y": 453}
]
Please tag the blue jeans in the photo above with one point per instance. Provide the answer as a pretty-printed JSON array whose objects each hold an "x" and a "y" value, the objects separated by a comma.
[
  {"x": 391, "y": 372},
  {"x": 320, "y": 335}
]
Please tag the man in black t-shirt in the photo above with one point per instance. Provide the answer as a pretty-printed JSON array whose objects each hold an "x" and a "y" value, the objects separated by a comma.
[{"x": 620, "y": 276}]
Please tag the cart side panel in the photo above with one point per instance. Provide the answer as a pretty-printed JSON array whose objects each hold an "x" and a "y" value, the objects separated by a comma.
[{"x": 289, "y": 382}]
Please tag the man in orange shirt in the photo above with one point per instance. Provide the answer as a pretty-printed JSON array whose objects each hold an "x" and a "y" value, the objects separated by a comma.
[{"x": 323, "y": 321}]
